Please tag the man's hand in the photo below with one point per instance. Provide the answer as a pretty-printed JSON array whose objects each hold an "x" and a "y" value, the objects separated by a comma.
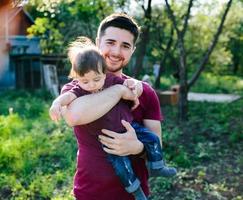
[
  {"x": 121, "y": 144},
  {"x": 55, "y": 112}
]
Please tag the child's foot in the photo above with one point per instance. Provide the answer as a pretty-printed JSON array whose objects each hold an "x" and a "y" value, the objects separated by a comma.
[
  {"x": 139, "y": 194},
  {"x": 164, "y": 171}
]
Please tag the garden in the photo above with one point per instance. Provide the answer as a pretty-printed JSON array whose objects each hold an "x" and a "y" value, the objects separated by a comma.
[{"x": 37, "y": 156}]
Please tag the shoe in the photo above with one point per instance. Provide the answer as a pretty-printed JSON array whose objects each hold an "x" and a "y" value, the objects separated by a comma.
[
  {"x": 139, "y": 194},
  {"x": 164, "y": 171}
]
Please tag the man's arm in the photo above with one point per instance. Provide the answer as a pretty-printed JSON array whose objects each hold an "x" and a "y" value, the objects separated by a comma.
[
  {"x": 152, "y": 115},
  {"x": 90, "y": 107},
  {"x": 128, "y": 142},
  {"x": 154, "y": 126}
]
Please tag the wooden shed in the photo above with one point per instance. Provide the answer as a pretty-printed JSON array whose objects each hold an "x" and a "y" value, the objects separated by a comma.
[{"x": 14, "y": 41}]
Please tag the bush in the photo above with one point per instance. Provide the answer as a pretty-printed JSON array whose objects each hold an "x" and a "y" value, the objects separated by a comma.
[{"x": 37, "y": 156}]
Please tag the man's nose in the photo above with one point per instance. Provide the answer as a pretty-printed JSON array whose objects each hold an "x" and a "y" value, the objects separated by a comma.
[{"x": 116, "y": 50}]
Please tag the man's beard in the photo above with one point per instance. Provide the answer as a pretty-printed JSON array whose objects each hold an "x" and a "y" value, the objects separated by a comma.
[{"x": 115, "y": 70}]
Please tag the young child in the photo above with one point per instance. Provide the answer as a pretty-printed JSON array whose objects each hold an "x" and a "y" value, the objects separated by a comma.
[{"x": 89, "y": 74}]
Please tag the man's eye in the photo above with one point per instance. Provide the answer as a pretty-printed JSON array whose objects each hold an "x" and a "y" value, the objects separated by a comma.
[
  {"x": 126, "y": 47},
  {"x": 109, "y": 42}
]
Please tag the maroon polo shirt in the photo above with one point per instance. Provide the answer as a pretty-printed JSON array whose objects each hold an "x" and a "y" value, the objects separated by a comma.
[{"x": 95, "y": 178}]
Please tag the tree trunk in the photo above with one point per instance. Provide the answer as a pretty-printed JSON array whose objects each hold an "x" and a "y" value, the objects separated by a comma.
[
  {"x": 141, "y": 52},
  {"x": 162, "y": 63},
  {"x": 144, "y": 40},
  {"x": 183, "y": 104}
]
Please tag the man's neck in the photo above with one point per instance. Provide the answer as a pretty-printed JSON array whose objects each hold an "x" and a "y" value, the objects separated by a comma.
[{"x": 119, "y": 73}]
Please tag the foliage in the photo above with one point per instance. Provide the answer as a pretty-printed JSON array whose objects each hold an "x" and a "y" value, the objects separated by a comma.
[
  {"x": 58, "y": 22},
  {"x": 235, "y": 43},
  {"x": 51, "y": 37},
  {"x": 210, "y": 83},
  {"x": 37, "y": 157},
  {"x": 206, "y": 151}
]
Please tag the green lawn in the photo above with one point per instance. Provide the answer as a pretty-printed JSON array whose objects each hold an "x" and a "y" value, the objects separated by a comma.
[{"x": 37, "y": 157}]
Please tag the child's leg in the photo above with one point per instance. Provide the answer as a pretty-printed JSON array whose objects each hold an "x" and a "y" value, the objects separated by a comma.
[
  {"x": 154, "y": 152},
  {"x": 123, "y": 169}
]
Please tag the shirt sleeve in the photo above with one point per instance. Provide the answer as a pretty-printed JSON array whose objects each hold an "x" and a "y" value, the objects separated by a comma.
[
  {"x": 151, "y": 104},
  {"x": 74, "y": 87},
  {"x": 67, "y": 87}
]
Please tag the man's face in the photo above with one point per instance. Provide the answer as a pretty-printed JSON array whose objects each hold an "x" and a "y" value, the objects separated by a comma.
[{"x": 117, "y": 47}]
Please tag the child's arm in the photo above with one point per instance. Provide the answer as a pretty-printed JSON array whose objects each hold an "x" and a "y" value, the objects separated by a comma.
[
  {"x": 136, "y": 87},
  {"x": 58, "y": 103}
]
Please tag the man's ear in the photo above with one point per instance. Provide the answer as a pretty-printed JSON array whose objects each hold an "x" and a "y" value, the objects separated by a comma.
[
  {"x": 134, "y": 48},
  {"x": 97, "y": 42}
]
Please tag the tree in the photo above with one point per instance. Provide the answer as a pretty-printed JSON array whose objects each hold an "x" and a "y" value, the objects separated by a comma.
[
  {"x": 163, "y": 60},
  {"x": 182, "y": 64},
  {"x": 59, "y": 22},
  {"x": 235, "y": 40},
  {"x": 183, "y": 80},
  {"x": 141, "y": 49}
]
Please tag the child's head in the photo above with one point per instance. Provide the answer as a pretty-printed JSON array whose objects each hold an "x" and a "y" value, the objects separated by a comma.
[{"x": 88, "y": 65}]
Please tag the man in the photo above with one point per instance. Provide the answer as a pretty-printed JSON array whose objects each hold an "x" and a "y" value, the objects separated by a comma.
[{"x": 116, "y": 39}]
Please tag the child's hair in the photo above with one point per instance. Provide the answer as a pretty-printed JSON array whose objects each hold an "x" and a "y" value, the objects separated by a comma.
[
  {"x": 119, "y": 20},
  {"x": 84, "y": 57}
]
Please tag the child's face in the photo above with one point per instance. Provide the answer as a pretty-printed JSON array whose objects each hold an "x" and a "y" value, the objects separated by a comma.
[{"x": 92, "y": 81}]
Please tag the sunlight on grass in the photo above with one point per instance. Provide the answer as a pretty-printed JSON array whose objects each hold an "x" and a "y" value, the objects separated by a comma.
[
  {"x": 167, "y": 82},
  {"x": 210, "y": 83},
  {"x": 239, "y": 84}
]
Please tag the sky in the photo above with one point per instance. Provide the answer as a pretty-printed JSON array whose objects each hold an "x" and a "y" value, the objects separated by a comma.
[{"x": 134, "y": 6}]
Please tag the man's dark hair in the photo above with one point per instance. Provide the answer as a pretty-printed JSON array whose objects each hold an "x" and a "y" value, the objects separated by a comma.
[{"x": 122, "y": 21}]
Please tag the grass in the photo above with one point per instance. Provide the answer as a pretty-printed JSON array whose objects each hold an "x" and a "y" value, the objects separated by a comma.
[
  {"x": 37, "y": 157},
  {"x": 206, "y": 150},
  {"x": 210, "y": 83}
]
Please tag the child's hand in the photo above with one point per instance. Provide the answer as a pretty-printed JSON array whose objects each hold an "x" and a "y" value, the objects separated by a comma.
[
  {"x": 55, "y": 112},
  {"x": 136, "y": 104},
  {"x": 136, "y": 87}
]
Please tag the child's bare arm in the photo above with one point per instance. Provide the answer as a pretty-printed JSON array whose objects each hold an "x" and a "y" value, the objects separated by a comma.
[{"x": 62, "y": 100}]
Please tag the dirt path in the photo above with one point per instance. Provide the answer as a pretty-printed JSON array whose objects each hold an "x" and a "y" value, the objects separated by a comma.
[{"x": 219, "y": 98}]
